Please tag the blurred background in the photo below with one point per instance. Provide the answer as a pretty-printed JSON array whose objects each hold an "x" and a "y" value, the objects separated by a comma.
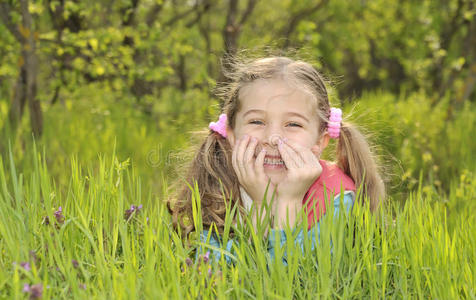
[{"x": 84, "y": 78}]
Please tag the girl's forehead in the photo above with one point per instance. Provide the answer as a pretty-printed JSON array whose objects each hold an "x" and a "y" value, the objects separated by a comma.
[{"x": 275, "y": 94}]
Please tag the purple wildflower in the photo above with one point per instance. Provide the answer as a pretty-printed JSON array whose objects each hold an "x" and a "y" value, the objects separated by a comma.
[
  {"x": 75, "y": 263},
  {"x": 210, "y": 273},
  {"x": 59, "y": 215},
  {"x": 82, "y": 286},
  {"x": 26, "y": 266},
  {"x": 188, "y": 261},
  {"x": 206, "y": 257},
  {"x": 129, "y": 212},
  {"x": 35, "y": 291}
]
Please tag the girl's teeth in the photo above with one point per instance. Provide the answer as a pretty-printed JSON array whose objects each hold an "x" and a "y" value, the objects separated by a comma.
[{"x": 271, "y": 161}]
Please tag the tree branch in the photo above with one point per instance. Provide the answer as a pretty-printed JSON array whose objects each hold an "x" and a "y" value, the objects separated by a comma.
[
  {"x": 180, "y": 16},
  {"x": 298, "y": 17},
  {"x": 447, "y": 35},
  {"x": 200, "y": 11},
  {"x": 248, "y": 11},
  {"x": 153, "y": 12},
  {"x": 5, "y": 10}
]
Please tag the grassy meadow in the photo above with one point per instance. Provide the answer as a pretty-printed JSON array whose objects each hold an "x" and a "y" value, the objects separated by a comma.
[
  {"x": 102, "y": 104},
  {"x": 83, "y": 214}
]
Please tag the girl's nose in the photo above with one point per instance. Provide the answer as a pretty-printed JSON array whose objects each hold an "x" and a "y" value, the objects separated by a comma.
[
  {"x": 273, "y": 134},
  {"x": 273, "y": 139}
]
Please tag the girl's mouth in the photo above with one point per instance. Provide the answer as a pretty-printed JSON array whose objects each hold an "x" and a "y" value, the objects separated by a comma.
[{"x": 273, "y": 163}]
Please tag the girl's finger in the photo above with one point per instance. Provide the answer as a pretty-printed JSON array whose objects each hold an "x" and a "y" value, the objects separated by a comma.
[
  {"x": 298, "y": 149},
  {"x": 306, "y": 154},
  {"x": 240, "y": 154},
  {"x": 259, "y": 164},
  {"x": 310, "y": 158},
  {"x": 295, "y": 154},
  {"x": 287, "y": 156},
  {"x": 248, "y": 157},
  {"x": 261, "y": 176},
  {"x": 234, "y": 160},
  {"x": 250, "y": 150}
]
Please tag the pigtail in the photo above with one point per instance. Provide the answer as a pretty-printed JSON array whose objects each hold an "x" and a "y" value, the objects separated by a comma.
[
  {"x": 212, "y": 169},
  {"x": 355, "y": 158}
]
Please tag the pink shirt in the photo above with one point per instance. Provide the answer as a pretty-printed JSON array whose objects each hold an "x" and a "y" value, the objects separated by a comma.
[{"x": 327, "y": 186}]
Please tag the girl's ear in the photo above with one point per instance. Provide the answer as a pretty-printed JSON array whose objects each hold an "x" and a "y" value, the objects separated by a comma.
[
  {"x": 324, "y": 141},
  {"x": 321, "y": 144},
  {"x": 230, "y": 136}
]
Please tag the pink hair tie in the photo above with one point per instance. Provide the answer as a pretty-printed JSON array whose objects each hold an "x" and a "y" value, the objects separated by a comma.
[
  {"x": 219, "y": 126},
  {"x": 333, "y": 127}
]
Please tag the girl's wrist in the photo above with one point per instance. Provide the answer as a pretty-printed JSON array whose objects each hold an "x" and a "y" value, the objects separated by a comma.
[
  {"x": 291, "y": 206},
  {"x": 287, "y": 210}
]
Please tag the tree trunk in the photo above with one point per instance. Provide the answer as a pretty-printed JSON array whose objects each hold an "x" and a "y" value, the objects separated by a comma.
[
  {"x": 17, "y": 106},
  {"x": 31, "y": 63},
  {"x": 231, "y": 33},
  {"x": 25, "y": 88}
]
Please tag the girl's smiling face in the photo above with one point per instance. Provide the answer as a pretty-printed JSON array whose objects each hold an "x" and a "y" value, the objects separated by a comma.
[{"x": 271, "y": 109}]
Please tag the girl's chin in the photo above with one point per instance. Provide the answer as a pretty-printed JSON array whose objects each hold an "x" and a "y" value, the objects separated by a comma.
[
  {"x": 275, "y": 168},
  {"x": 276, "y": 176}
]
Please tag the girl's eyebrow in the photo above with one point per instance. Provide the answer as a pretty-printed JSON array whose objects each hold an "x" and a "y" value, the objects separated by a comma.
[
  {"x": 253, "y": 111},
  {"x": 288, "y": 113},
  {"x": 298, "y": 115}
]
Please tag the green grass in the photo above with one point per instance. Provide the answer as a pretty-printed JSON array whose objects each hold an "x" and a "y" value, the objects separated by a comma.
[
  {"x": 96, "y": 163},
  {"x": 418, "y": 250}
]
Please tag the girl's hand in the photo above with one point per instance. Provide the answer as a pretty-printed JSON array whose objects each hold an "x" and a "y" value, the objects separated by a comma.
[
  {"x": 250, "y": 172},
  {"x": 303, "y": 168}
]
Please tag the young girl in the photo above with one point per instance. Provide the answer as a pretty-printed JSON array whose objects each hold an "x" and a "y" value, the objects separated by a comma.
[{"x": 276, "y": 122}]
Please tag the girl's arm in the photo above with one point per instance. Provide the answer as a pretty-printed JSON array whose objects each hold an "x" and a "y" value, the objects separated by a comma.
[
  {"x": 277, "y": 236},
  {"x": 286, "y": 211}
]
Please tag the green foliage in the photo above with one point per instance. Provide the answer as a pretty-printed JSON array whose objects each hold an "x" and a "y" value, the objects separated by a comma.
[
  {"x": 418, "y": 139},
  {"x": 86, "y": 125},
  {"x": 396, "y": 46},
  {"x": 90, "y": 250}
]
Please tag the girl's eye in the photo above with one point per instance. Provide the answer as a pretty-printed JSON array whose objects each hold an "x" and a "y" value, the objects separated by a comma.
[
  {"x": 257, "y": 122},
  {"x": 294, "y": 124}
]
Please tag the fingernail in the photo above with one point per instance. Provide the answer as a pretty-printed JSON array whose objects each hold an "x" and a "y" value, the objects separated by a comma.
[
  {"x": 280, "y": 142},
  {"x": 285, "y": 140}
]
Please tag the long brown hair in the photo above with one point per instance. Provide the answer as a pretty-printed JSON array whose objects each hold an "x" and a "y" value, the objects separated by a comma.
[{"x": 211, "y": 165}]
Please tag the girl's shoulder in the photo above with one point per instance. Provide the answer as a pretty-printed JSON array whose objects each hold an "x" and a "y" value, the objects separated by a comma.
[{"x": 334, "y": 178}]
